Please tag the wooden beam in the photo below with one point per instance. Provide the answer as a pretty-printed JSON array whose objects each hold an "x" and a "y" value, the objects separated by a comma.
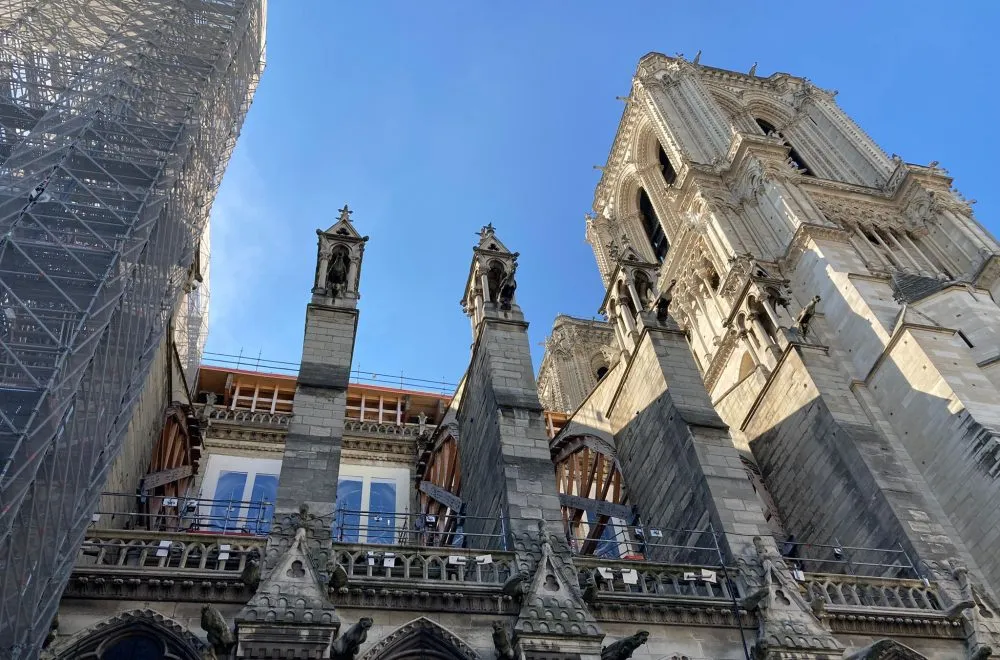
[
  {"x": 162, "y": 477},
  {"x": 450, "y": 500},
  {"x": 596, "y": 507}
]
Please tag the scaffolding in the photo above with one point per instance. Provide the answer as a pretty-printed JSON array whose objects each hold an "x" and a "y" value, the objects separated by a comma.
[{"x": 117, "y": 119}]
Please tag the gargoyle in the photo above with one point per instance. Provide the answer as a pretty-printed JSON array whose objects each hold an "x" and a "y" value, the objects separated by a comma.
[
  {"x": 623, "y": 648},
  {"x": 347, "y": 645},
  {"x": 516, "y": 585},
  {"x": 251, "y": 571},
  {"x": 338, "y": 576},
  {"x": 220, "y": 637},
  {"x": 501, "y": 641}
]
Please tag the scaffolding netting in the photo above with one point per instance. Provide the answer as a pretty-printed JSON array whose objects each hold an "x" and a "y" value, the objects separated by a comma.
[{"x": 117, "y": 119}]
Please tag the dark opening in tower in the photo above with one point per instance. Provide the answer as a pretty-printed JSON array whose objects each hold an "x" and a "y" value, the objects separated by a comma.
[
  {"x": 794, "y": 155},
  {"x": 651, "y": 225}
]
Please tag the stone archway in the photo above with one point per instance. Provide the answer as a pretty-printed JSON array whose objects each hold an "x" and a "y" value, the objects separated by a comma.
[
  {"x": 421, "y": 639},
  {"x": 173, "y": 641}
]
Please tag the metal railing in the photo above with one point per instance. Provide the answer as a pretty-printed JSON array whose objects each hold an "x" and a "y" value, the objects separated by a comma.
[
  {"x": 249, "y": 417},
  {"x": 414, "y": 529},
  {"x": 615, "y": 540},
  {"x": 849, "y": 560},
  {"x": 183, "y": 514}
]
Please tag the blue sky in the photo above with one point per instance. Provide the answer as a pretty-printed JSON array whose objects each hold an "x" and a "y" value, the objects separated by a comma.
[{"x": 433, "y": 118}]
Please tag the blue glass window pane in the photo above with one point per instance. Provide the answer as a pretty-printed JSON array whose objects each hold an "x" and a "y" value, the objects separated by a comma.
[
  {"x": 607, "y": 547},
  {"x": 260, "y": 513},
  {"x": 347, "y": 521},
  {"x": 381, "y": 512},
  {"x": 228, "y": 496}
]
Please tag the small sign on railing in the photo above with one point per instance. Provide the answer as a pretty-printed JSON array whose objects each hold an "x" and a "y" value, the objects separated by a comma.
[
  {"x": 484, "y": 559},
  {"x": 705, "y": 575},
  {"x": 630, "y": 576},
  {"x": 164, "y": 548},
  {"x": 456, "y": 560},
  {"x": 224, "y": 552},
  {"x": 389, "y": 561}
]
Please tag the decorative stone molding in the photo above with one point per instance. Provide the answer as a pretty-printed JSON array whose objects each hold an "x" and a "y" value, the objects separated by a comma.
[
  {"x": 423, "y": 629},
  {"x": 178, "y": 640}
]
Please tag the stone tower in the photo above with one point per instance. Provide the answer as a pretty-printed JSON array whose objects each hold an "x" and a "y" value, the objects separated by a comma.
[
  {"x": 291, "y": 611},
  {"x": 839, "y": 305}
]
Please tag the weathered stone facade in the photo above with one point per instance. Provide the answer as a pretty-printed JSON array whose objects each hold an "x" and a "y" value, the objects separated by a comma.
[{"x": 782, "y": 443}]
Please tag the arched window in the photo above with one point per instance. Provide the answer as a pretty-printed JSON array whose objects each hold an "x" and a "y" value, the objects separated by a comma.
[
  {"x": 666, "y": 167},
  {"x": 494, "y": 276},
  {"x": 651, "y": 225},
  {"x": 599, "y": 366},
  {"x": 768, "y": 128},
  {"x": 135, "y": 647}
]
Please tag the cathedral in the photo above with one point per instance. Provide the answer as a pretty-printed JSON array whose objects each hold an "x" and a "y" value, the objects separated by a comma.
[{"x": 781, "y": 443}]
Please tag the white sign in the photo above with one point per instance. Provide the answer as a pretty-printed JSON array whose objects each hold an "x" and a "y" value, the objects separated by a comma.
[
  {"x": 164, "y": 549},
  {"x": 169, "y": 501},
  {"x": 709, "y": 576},
  {"x": 630, "y": 576},
  {"x": 224, "y": 552},
  {"x": 484, "y": 559},
  {"x": 606, "y": 573},
  {"x": 655, "y": 533},
  {"x": 455, "y": 559}
]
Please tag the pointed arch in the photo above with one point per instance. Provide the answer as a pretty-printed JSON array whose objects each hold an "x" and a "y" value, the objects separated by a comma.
[
  {"x": 97, "y": 642},
  {"x": 886, "y": 649},
  {"x": 421, "y": 639}
]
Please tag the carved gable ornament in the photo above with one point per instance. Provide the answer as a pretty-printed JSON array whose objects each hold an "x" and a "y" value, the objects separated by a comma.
[
  {"x": 886, "y": 649},
  {"x": 421, "y": 638}
]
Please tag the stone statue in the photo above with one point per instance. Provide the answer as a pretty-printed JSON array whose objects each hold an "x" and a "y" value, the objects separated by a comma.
[
  {"x": 251, "y": 571},
  {"x": 516, "y": 585},
  {"x": 623, "y": 648},
  {"x": 347, "y": 645},
  {"x": 338, "y": 576},
  {"x": 507, "y": 287},
  {"x": 336, "y": 274},
  {"x": 663, "y": 302},
  {"x": 220, "y": 637},
  {"x": 805, "y": 316},
  {"x": 588, "y": 585},
  {"x": 501, "y": 641}
]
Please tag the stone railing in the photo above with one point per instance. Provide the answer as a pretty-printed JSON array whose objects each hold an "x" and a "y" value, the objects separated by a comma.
[
  {"x": 173, "y": 566},
  {"x": 645, "y": 580},
  {"x": 453, "y": 567},
  {"x": 176, "y": 553},
  {"x": 848, "y": 592},
  {"x": 382, "y": 429},
  {"x": 249, "y": 418}
]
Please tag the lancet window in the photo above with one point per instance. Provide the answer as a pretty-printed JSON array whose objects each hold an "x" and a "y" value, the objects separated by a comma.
[
  {"x": 895, "y": 248},
  {"x": 797, "y": 161},
  {"x": 652, "y": 226}
]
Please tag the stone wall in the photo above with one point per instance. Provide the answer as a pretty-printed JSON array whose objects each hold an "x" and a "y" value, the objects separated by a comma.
[
  {"x": 311, "y": 462},
  {"x": 678, "y": 460},
  {"x": 504, "y": 447}
]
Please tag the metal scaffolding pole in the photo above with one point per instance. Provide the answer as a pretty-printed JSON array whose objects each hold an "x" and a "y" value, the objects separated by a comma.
[{"x": 117, "y": 119}]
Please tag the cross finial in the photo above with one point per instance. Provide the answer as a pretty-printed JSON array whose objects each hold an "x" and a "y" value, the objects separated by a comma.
[
  {"x": 486, "y": 230},
  {"x": 345, "y": 213}
]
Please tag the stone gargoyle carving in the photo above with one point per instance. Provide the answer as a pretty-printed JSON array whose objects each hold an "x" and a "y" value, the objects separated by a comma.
[
  {"x": 251, "y": 571},
  {"x": 347, "y": 645},
  {"x": 806, "y": 315},
  {"x": 220, "y": 636},
  {"x": 338, "y": 576},
  {"x": 623, "y": 648},
  {"x": 501, "y": 641},
  {"x": 516, "y": 585}
]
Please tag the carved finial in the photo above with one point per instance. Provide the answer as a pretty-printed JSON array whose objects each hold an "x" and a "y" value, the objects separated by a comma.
[
  {"x": 345, "y": 214},
  {"x": 487, "y": 230},
  {"x": 697, "y": 58},
  {"x": 753, "y": 70}
]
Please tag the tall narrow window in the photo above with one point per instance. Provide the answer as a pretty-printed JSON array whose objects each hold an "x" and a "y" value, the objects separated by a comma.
[
  {"x": 651, "y": 225},
  {"x": 261, "y": 509},
  {"x": 228, "y": 501},
  {"x": 797, "y": 160},
  {"x": 347, "y": 520},
  {"x": 666, "y": 167},
  {"x": 382, "y": 510}
]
